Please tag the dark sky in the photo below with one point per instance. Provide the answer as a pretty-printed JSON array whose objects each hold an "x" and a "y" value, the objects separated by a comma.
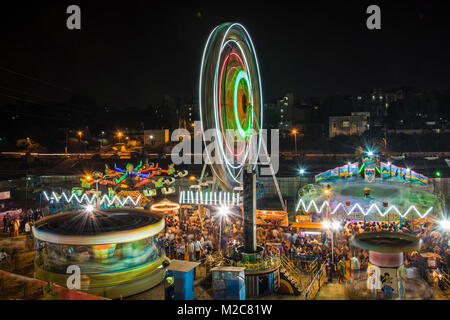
[{"x": 131, "y": 53}]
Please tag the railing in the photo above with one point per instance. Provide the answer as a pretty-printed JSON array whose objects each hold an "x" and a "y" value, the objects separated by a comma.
[
  {"x": 303, "y": 262},
  {"x": 445, "y": 283},
  {"x": 317, "y": 281},
  {"x": 14, "y": 286},
  {"x": 440, "y": 280},
  {"x": 312, "y": 267},
  {"x": 292, "y": 270}
]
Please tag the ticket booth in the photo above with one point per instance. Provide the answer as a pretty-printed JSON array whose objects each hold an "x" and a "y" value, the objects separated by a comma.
[
  {"x": 228, "y": 283},
  {"x": 184, "y": 274}
]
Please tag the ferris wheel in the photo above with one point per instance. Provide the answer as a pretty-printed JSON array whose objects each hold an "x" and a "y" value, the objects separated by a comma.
[{"x": 231, "y": 103}]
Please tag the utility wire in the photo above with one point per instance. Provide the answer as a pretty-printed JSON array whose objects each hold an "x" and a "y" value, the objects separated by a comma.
[
  {"x": 35, "y": 79},
  {"x": 46, "y": 99}
]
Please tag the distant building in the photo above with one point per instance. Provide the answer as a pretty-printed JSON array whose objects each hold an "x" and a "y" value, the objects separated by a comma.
[
  {"x": 157, "y": 138},
  {"x": 188, "y": 113},
  {"x": 285, "y": 111},
  {"x": 355, "y": 124},
  {"x": 377, "y": 101}
]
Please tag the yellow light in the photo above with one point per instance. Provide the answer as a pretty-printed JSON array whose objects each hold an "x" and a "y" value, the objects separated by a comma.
[
  {"x": 192, "y": 178},
  {"x": 294, "y": 131},
  {"x": 119, "y": 134},
  {"x": 192, "y": 124},
  {"x": 326, "y": 191},
  {"x": 88, "y": 177},
  {"x": 80, "y": 133}
]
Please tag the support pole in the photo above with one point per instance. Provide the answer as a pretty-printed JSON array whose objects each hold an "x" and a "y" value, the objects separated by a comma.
[{"x": 249, "y": 210}]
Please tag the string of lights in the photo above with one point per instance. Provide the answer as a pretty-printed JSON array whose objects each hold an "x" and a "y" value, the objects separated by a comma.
[
  {"x": 213, "y": 198},
  {"x": 85, "y": 199},
  {"x": 357, "y": 207}
]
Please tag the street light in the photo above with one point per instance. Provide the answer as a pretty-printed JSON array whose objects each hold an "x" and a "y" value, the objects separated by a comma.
[
  {"x": 80, "y": 134},
  {"x": 302, "y": 172},
  {"x": 89, "y": 208},
  {"x": 444, "y": 224},
  {"x": 223, "y": 212},
  {"x": 294, "y": 132},
  {"x": 119, "y": 135},
  {"x": 331, "y": 226}
]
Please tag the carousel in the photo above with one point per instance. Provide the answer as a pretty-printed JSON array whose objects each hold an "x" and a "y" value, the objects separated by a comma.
[{"x": 116, "y": 250}]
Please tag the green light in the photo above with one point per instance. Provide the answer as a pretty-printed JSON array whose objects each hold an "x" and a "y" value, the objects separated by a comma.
[
  {"x": 242, "y": 76},
  {"x": 360, "y": 169},
  {"x": 438, "y": 173}
]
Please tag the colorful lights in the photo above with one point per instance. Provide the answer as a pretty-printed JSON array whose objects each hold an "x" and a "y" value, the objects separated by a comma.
[
  {"x": 85, "y": 199},
  {"x": 230, "y": 98},
  {"x": 211, "y": 198},
  {"x": 357, "y": 207},
  {"x": 242, "y": 76},
  {"x": 165, "y": 205}
]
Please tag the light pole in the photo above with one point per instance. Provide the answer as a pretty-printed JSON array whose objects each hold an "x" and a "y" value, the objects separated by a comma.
[
  {"x": 119, "y": 135},
  {"x": 331, "y": 226},
  {"x": 294, "y": 132},
  {"x": 327, "y": 192},
  {"x": 223, "y": 212},
  {"x": 80, "y": 134}
]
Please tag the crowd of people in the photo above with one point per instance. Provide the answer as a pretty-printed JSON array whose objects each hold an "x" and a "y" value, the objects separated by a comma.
[
  {"x": 193, "y": 237},
  {"x": 19, "y": 224}
]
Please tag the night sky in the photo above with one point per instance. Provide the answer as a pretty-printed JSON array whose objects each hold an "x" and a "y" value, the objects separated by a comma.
[{"x": 132, "y": 55}]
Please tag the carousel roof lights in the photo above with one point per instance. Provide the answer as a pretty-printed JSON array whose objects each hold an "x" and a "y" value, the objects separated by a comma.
[
  {"x": 85, "y": 199},
  {"x": 357, "y": 207}
]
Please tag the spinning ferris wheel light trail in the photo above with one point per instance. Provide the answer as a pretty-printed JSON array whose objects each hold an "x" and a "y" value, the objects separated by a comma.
[{"x": 231, "y": 100}]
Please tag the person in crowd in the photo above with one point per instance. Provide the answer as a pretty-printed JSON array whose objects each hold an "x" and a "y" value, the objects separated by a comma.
[
  {"x": 341, "y": 268},
  {"x": 198, "y": 248},
  {"x": 355, "y": 267},
  {"x": 28, "y": 229}
]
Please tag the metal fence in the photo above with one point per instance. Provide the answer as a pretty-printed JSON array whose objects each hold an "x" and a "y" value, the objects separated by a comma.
[{"x": 315, "y": 284}]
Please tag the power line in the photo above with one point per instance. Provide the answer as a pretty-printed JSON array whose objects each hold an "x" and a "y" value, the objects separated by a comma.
[
  {"x": 40, "y": 97},
  {"x": 35, "y": 79},
  {"x": 34, "y": 115},
  {"x": 40, "y": 103}
]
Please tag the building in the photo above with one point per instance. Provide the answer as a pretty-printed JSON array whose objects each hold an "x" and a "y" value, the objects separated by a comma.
[
  {"x": 188, "y": 114},
  {"x": 285, "y": 111},
  {"x": 355, "y": 124},
  {"x": 377, "y": 101},
  {"x": 156, "y": 138}
]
